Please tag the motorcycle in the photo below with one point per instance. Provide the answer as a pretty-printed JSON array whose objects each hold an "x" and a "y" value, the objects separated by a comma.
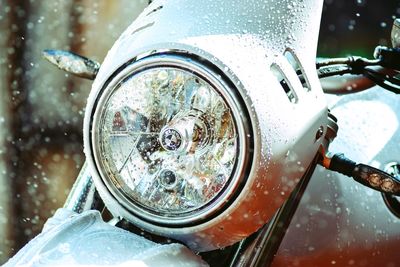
[{"x": 208, "y": 130}]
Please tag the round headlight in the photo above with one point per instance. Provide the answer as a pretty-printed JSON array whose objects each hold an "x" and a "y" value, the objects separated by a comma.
[{"x": 166, "y": 140}]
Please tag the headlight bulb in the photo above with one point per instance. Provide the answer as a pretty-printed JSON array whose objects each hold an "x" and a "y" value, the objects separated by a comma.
[{"x": 187, "y": 132}]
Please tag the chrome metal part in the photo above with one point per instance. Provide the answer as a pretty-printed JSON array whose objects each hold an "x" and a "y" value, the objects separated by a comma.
[
  {"x": 393, "y": 168},
  {"x": 332, "y": 128},
  {"x": 72, "y": 63},
  {"x": 330, "y": 135},
  {"x": 83, "y": 195},
  {"x": 395, "y": 35},
  {"x": 391, "y": 201}
]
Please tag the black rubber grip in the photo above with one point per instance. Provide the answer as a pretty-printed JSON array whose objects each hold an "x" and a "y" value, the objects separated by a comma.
[{"x": 339, "y": 163}]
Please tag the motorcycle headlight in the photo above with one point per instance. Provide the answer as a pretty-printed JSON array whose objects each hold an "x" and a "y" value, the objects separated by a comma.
[{"x": 168, "y": 140}]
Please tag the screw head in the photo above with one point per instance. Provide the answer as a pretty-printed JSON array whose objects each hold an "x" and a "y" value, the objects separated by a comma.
[{"x": 320, "y": 132}]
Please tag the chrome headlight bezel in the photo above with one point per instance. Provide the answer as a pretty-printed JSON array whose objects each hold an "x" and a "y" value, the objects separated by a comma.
[{"x": 218, "y": 81}]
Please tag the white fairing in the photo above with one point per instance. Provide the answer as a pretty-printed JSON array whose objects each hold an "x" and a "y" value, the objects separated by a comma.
[
  {"x": 71, "y": 239},
  {"x": 243, "y": 39}
]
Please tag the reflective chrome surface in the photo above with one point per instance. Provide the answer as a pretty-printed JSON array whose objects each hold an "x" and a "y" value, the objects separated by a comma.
[
  {"x": 391, "y": 201},
  {"x": 395, "y": 34},
  {"x": 83, "y": 195},
  {"x": 72, "y": 63}
]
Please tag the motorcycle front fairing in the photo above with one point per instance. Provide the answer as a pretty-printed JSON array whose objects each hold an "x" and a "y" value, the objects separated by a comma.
[
  {"x": 236, "y": 49},
  {"x": 239, "y": 43}
]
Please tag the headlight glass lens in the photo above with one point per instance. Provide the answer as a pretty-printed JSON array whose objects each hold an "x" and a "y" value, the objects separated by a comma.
[{"x": 167, "y": 140}]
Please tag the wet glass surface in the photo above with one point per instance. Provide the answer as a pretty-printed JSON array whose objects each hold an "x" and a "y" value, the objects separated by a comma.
[{"x": 167, "y": 139}]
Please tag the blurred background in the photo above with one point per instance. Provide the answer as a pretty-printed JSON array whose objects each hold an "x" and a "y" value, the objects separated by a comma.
[{"x": 41, "y": 108}]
